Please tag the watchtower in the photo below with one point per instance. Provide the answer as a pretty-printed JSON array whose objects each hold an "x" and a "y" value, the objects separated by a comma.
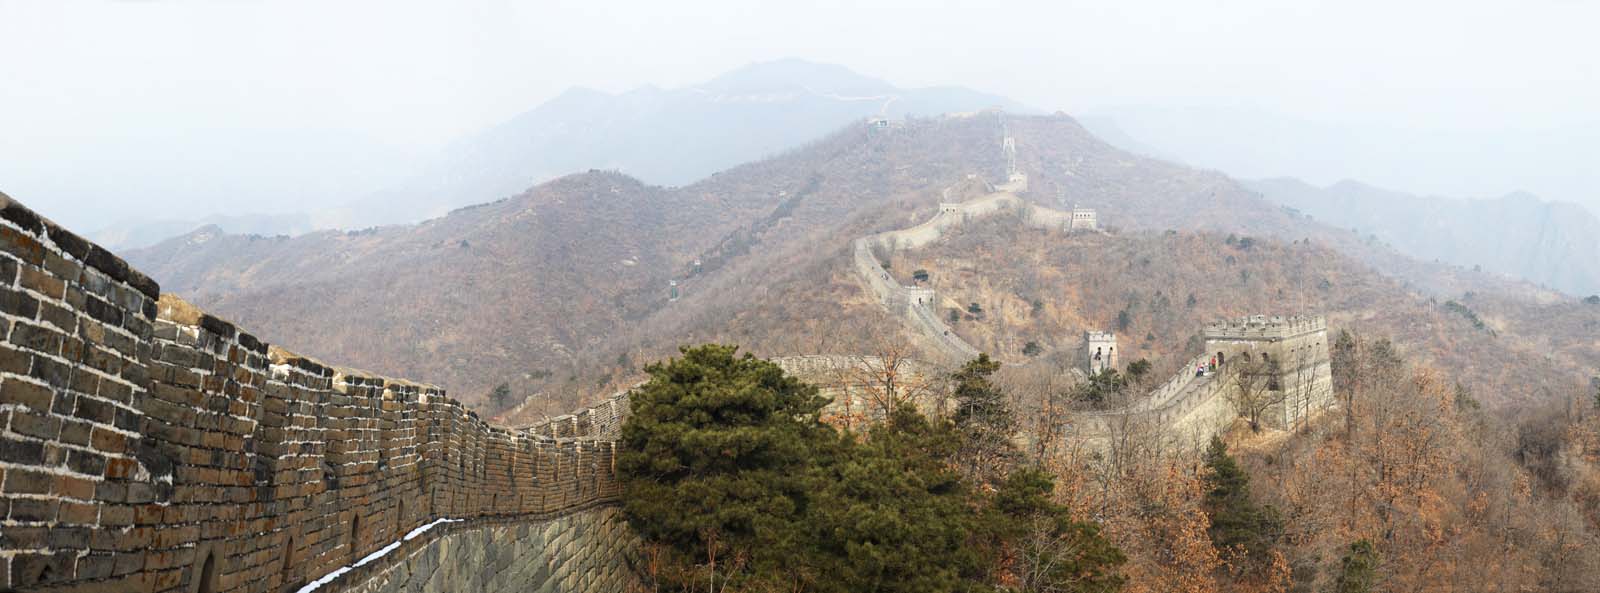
[
  {"x": 1083, "y": 219},
  {"x": 1101, "y": 350},
  {"x": 1292, "y": 353}
]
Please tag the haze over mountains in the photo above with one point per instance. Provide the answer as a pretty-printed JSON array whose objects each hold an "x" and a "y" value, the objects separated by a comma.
[
  {"x": 1553, "y": 243},
  {"x": 677, "y": 136},
  {"x": 661, "y": 136}
]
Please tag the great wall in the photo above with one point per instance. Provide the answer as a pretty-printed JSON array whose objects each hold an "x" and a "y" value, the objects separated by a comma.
[
  {"x": 1185, "y": 410},
  {"x": 150, "y": 447},
  {"x": 147, "y": 446}
]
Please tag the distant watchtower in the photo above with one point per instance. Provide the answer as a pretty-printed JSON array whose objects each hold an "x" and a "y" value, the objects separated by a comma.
[
  {"x": 1083, "y": 219},
  {"x": 1101, "y": 348}
]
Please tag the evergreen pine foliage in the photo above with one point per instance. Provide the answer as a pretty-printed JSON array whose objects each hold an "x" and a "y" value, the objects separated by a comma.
[
  {"x": 891, "y": 516},
  {"x": 1049, "y": 550},
  {"x": 1358, "y": 570},
  {"x": 983, "y": 420},
  {"x": 715, "y": 456},
  {"x": 1237, "y": 523},
  {"x": 729, "y": 473}
]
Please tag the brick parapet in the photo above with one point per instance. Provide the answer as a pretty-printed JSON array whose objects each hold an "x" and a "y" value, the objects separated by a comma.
[{"x": 143, "y": 440}]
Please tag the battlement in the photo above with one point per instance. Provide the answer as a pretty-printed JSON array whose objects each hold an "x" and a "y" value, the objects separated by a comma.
[
  {"x": 1257, "y": 327},
  {"x": 154, "y": 447}
]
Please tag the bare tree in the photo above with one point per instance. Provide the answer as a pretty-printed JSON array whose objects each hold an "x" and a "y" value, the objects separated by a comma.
[
  {"x": 892, "y": 376},
  {"x": 1253, "y": 388}
]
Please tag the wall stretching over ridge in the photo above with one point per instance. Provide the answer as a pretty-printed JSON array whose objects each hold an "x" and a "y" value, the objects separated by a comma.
[
  {"x": 1188, "y": 409},
  {"x": 146, "y": 446}
]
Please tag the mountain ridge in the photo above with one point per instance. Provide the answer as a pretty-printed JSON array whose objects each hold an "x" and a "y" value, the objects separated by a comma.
[
  {"x": 568, "y": 281},
  {"x": 1552, "y": 243},
  {"x": 665, "y": 136}
]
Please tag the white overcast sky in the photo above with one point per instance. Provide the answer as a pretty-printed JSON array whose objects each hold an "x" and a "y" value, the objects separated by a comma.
[{"x": 177, "y": 109}]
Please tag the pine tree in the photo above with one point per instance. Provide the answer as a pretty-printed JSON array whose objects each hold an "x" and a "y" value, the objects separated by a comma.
[
  {"x": 1237, "y": 523},
  {"x": 501, "y": 396},
  {"x": 890, "y": 515},
  {"x": 1047, "y": 549},
  {"x": 984, "y": 421},
  {"x": 714, "y": 462},
  {"x": 1358, "y": 569}
]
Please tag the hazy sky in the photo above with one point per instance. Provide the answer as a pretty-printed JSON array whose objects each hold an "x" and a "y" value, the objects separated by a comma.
[{"x": 185, "y": 108}]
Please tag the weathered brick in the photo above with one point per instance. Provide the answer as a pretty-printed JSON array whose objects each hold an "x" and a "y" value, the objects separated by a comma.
[
  {"x": 40, "y": 281},
  {"x": 95, "y": 410},
  {"x": 36, "y": 338},
  {"x": 25, "y": 481},
  {"x": 17, "y": 391},
  {"x": 84, "y": 462},
  {"x": 8, "y": 270},
  {"x": 35, "y": 425},
  {"x": 95, "y": 566},
  {"x": 22, "y": 538},
  {"x": 32, "y": 509},
  {"x": 20, "y": 451},
  {"x": 111, "y": 265},
  {"x": 108, "y": 441},
  {"x": 53, "y": 372},
  {"x": 59, "y": 317},
  {"x": 74, "y": 487},
  {"x": 21, "y": 246},
  {"x": 72, "y": 538},
  {"x": 67, "y": 240},
  {"x": 102, "y": 311},
  {"x": 18, "y": 303},
  {"x": 76, "y": 432},
  {"x": 14, "y": 361}
]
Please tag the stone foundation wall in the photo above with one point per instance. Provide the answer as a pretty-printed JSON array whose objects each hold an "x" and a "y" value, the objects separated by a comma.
[
  {"x": 581, "y": 552},
  {"x": 146, "y": 446}
]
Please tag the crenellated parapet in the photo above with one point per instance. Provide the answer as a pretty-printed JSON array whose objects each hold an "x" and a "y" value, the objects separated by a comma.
[
  {"x": 1284, "y": 359},
  {"x": 147, "y": 446},
  {"x": 1257, "y": 327}
]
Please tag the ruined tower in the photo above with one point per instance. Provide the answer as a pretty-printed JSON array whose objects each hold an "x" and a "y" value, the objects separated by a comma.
[
  {"x": 1101, "y": 348},
  {"x": 1291, "y": 351}
]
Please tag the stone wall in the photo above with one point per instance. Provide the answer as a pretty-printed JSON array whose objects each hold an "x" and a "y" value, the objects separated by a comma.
[
  {"x": 854, "y": 385},
  {"x": 578, "y": 552},
  {"x": 919, "y": 306},
  {"x": 146, "y": 446},
  {"x": 1186, "y": 410},
  {"x": 1297, "y": 348}
]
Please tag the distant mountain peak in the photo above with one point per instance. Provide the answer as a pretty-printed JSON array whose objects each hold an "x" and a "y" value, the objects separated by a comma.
[
  {"x": 660, "y": 136},
  {"x": 793, "y": 74}
]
